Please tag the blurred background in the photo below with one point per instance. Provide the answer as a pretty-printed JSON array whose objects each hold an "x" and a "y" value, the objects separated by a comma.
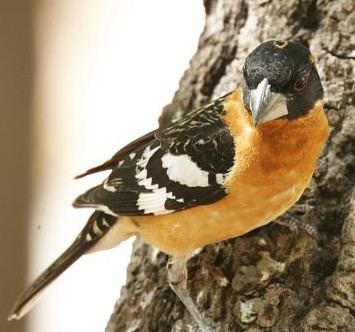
[{"x": 78, "y": 80}]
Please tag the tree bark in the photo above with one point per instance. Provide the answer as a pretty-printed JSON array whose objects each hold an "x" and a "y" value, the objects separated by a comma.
[{"x": 271, "y": 279}]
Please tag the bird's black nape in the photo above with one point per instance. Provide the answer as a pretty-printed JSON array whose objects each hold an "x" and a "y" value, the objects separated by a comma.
[{"x": 290, "y": 70}]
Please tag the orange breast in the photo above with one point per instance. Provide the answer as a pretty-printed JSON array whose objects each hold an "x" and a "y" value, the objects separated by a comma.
[{"x": 273, "y": 165}]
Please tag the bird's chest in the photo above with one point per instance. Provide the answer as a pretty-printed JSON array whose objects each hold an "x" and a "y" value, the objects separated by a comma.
[
  {"x": 255, "y": 203},
  {"x": 266, "y": 182}
]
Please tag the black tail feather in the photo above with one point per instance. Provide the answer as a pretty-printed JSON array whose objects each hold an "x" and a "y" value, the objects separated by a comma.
[{"x": 96, "y": 227}]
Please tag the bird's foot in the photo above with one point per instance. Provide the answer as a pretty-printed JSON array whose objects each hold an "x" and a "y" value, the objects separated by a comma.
[
  {"x": 295, "y": 224},
  {"x": 177, "y": 277}
]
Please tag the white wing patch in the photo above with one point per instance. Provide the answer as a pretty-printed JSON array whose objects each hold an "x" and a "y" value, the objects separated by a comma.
[
  {"x": 145, "y": 181},
  {"x": 220, "y": 178},
  {"x": 183, "y": 170},
  {"x": 178, "y": 168},
  {"x": 147, "y": 154},
  {"x": 142, "y": 176},
  {"x": 153, "y": 202}
]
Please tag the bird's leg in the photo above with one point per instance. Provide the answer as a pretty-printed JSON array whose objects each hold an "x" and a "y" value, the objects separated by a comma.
[
  {"x": 177, "y": 278},
  {"x": 296, "y": 224}
]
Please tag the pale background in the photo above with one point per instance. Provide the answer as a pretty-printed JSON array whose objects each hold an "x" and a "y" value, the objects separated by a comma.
[{"x": 79, "y": 79}]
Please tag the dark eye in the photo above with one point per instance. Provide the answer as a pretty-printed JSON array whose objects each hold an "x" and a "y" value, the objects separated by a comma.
[{"x": 301, "y": 81}]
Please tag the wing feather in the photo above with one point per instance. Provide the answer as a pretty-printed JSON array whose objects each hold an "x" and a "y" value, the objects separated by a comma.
[{"x": 181, "y": 166}]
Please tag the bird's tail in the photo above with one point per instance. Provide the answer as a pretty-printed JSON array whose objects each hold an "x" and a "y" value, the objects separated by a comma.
[{"x": 97, "y": 226}]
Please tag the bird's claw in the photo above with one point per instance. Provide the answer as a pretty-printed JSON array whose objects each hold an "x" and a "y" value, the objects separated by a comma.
[{"x": 295, "y": 224}]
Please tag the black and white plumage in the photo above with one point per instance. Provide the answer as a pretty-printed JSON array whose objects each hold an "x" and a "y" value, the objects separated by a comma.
[{"x": 178, "y": 167}]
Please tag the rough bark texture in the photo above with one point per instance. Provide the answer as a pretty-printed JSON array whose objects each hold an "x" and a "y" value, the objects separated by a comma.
[{"x": 271, "y": 279}]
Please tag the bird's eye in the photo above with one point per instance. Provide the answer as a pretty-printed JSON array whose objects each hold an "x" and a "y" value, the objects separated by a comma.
[{"x": 301, "y": 81}]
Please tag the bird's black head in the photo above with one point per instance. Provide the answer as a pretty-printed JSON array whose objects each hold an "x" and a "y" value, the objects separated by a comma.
[{"x": 281, "y": 81}]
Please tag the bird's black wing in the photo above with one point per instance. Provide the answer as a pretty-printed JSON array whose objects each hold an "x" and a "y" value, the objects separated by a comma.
[{"x": 182, "y": 166}]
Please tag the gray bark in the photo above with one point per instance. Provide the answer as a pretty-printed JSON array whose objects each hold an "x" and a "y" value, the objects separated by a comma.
[{"x": 272, "y": 279}]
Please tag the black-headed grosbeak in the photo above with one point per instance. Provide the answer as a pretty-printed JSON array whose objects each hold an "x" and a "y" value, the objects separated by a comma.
[{"x": 219, "y": 172}]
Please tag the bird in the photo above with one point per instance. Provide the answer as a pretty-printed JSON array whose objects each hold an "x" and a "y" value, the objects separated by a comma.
[{"x": 218, "y": 172}]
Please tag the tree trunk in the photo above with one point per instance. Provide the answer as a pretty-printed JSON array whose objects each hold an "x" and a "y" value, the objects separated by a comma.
[{"x": 271, "y": 279}]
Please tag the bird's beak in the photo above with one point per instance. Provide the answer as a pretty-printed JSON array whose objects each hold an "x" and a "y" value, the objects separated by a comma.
[{"x": 266, "y": 105}]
